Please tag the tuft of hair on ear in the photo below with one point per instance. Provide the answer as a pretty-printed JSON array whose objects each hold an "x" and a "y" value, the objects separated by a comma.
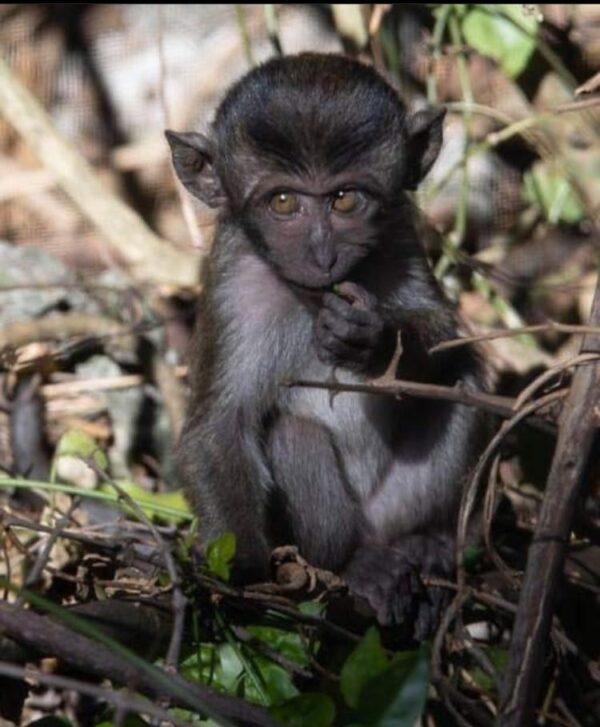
[
  {"x": 193, "y": 160},
  {"x": 424, "y": 133}
]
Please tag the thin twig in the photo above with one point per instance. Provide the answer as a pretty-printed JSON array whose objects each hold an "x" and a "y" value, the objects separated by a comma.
[
  {"x": 273, "y": 27},
  {"x": 488, "y": 513},
  {"x": 273, "y": 655},
  {"x": 456, "y": 237},
  {"x": 443, "y": 12},
  {"x": 470, "y": 493},
  {"x": 500, "y": 405},
  {"x": 179, "y": 601},
  {"x": 512, "y": 332},
  {"x": 542, "y": 379},
  {"x": 56, "y": 532},
  {"x": 277, "y": 604},
  {"x": 185, "y": 202}
]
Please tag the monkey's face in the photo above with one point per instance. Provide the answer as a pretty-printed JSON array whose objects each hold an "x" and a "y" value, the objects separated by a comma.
[
  {"x": 313, "y": 232},
  {"x": 310, "y": 155}
]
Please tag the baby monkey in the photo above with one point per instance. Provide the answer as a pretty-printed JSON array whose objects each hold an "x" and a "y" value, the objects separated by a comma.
[{"x": 316, "y": 267}]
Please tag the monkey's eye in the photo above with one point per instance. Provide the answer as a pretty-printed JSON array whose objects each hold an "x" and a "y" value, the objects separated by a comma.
[
  {"x": 346, "y": 200},
  {"x": 284, "y": 203}
]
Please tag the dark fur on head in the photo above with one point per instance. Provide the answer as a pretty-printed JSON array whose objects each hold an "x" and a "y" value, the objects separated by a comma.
[{"x": 300, "y": 117}]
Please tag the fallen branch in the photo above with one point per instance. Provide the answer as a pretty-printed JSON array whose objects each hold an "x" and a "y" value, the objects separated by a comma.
[
  {"x": 89, "y": 656},
  {"x": 578, "y": 427}
]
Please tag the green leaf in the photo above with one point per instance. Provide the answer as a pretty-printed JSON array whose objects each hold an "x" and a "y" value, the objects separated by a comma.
[
  {"x": 312, "y": 608},
  {"x": 472, "y": 557},
  {"x": 547, "y": 186},
  {"x": 276, "y": 682},
  {"x": 231, "y": 667},
  {"x": 185, "y": 544},
  {"x": 305, "y": 710},
  {"x": 75, "y": 443},
  {"x": 200, "y": 665},
  {"x": 396, "y": 697},
  {"x": 220, "y": 553},
  {"x": 499, "y": 658},
  {"x": 146, "y": 500},
  {"x": 502, "y": 32},
  {"x": 483, "y": 680},
  {"x": 219, "y": 666},
  {"x": 287, "y": 643},
  {"x": 366, "y": 661}
]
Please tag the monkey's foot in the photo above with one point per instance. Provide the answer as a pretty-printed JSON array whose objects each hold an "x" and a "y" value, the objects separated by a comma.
[{"x": 389, "y": 578}]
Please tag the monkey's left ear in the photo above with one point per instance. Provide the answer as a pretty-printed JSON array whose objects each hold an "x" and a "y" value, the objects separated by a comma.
[
  {"x": 424, "y": 134},
  {"x": 194, "y": 165}
]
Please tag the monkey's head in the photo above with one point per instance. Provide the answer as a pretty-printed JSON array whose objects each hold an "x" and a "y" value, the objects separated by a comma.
[{"x": 310, "y": 155}]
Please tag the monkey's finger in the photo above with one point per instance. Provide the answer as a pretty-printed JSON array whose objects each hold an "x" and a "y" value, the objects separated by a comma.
[
  {"x": 340, "y": 352},
  {"x": 348, "y": 331},
  {"x": 356, "y": 294},
  {"x": 341, "y": 307}
]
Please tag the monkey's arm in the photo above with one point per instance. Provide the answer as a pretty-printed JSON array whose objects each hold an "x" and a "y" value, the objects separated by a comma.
[
  {"x": 222, "y": 472},
  {"x": 218, "y": 454}
]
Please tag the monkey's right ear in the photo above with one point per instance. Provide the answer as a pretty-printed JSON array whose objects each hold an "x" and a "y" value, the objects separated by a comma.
[
  {"x": 194, "y": 164},
  {"x": 424, "y": 134}
]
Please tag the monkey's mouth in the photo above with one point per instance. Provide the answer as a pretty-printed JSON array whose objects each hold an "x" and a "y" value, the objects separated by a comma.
[
  {"x": 312, "y": 291},
  {"x": 317, "y": 288},
  {"x": 321, "y": 281}
]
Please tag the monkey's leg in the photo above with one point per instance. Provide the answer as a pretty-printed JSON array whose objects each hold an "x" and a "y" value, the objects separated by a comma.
[
  {"x": 390, "y": 579},
  {"x": 322, "y": 516}
]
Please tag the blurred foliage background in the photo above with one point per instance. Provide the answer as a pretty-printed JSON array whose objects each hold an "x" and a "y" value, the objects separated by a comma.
[{"x": 93, "y": 355}]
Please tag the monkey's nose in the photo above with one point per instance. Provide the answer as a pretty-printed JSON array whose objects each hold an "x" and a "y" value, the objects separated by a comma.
[{"x": 325, "y": 255}]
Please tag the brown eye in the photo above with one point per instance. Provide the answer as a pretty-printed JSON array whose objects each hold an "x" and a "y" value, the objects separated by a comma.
[
  {"x": 346, "y": 200},
  {"x": 284, "y": 203}
]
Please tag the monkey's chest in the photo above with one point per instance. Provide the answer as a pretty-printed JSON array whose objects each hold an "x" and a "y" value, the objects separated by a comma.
[{"x": 360, "y": 427}]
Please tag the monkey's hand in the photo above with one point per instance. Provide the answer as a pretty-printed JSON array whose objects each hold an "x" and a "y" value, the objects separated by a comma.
[
  {"x": 390, "y": 579},
  {"x": 350, "y": 331}
]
